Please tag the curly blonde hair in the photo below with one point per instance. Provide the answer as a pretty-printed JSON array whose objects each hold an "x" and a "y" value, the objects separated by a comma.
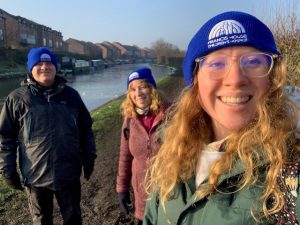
[
  {"x": 128, "y": 107},
  {"x": 269, "y": 137}
]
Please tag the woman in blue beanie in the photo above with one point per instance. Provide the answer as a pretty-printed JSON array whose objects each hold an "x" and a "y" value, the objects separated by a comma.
[
  {"x": 143, "y": 111},
  {"x": 230, "y": 153}
]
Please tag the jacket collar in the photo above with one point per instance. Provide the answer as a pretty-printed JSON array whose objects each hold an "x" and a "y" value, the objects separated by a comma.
[
  {"x": 57, "y": 87},
  {"x": 235, "y": 171}
]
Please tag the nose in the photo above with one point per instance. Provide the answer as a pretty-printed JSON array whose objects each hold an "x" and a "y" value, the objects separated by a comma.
[
  {"x": 43, "y": 65},
  {"x": 138, "y": 91},
  {"x": 234, "y": 76}
]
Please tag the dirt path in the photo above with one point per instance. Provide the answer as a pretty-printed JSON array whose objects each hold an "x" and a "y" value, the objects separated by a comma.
[{"x": 99, "y": 199}]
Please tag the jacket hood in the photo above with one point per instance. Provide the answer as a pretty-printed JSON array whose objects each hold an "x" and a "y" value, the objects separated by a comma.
[
  {"x": 58, "y": 85},
  {"x": 29, "y": 80}
]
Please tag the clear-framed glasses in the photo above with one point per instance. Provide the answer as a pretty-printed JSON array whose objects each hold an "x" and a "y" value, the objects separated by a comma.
[{"x": 253, "y": 64}]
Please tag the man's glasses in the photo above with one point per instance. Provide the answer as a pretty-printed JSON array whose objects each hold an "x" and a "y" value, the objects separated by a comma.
[{"x": 254, "y": 64}]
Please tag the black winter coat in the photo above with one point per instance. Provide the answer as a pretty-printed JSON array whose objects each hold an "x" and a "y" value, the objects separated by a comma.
[{"x": 51, "y": 131}]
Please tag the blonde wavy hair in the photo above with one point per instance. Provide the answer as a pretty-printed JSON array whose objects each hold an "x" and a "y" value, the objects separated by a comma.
[
  {"x": 128, "y": 107},
  {"x": 269, "y": 137}
]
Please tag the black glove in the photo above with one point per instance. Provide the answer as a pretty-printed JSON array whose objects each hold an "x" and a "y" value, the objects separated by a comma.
[
  {"x": 125, "y": 202},
  {"x": 88, "y": 170},
  {"x": 13, "y": 182}
]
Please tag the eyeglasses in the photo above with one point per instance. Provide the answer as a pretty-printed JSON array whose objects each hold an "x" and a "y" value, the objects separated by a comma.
[{"x": 254, "y": 64}]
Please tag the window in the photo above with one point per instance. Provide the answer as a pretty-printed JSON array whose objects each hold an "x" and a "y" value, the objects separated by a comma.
[
  {"x": 27, "y": 39},
  {"x": 31, "y": 39},
  {"x": 23, "y": 38}
]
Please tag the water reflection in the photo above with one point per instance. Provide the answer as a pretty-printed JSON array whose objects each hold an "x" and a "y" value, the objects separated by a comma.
[{"x": 98, "y": 88}]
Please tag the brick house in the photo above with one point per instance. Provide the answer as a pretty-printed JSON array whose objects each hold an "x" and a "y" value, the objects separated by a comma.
[{"x": 20, "y": 32}]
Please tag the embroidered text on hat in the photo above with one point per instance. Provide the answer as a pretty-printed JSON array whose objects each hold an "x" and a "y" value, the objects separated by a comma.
[
  {"x": 45, "y": 57},
  {"x": 233, "y": 30},
  {"x": 141, "y": 73}
]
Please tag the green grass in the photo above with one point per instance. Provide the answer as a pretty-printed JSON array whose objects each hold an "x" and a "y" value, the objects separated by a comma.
[
  {"x": 164, "y": 82},
  {"x": 5, "y": 191},
  {"x": 106, "y": 117},
  {"x": 11, "y": 200}
]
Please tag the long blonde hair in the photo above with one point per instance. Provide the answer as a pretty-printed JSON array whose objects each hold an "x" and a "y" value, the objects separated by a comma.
[
  {"x": 157, "y": 101},
  {"x": 269, "y": 137}
]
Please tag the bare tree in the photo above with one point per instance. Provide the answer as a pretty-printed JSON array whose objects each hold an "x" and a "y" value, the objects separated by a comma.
[
  {"x": 284, "y": 23},
  {"x": 163, "y": 50},
  {"x": 287, "y": 35}
]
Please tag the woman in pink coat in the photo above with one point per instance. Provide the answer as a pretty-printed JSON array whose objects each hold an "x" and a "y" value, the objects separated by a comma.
[{"x": 143, "y": 111}]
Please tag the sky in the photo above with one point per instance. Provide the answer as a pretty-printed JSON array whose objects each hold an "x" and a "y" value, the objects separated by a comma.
[{"x": 138, "y": 22}]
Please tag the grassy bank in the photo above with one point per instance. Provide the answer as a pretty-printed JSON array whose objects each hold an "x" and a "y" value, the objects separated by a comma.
[{"x": 106, "y": 116}]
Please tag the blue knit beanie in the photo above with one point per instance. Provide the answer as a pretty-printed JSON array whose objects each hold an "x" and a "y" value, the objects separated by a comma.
[
  {"x": 225, "y": 30},
  {"x": 42, "y": 54},
  {"x": 141, "y": 73}
]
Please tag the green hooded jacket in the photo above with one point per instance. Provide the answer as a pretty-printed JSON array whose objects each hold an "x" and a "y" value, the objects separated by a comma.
[{"x": 226, "y": 207}]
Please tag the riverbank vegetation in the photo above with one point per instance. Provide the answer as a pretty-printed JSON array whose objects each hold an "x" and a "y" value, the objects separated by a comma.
[{"x": 286, "y": 28}]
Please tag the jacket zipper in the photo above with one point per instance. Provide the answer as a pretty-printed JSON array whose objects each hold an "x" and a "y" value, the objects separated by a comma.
[
  {"x": 74, "y": 120},
  {"x": 29, "y": 129}
]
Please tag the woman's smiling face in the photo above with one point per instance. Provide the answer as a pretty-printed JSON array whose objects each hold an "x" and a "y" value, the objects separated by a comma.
[
  {"x": 232, "y": 100},
  {"x": 140, "y": 93}
]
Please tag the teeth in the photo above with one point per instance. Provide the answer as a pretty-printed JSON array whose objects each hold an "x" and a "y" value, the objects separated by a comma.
[{"x": 233, "y": 100}]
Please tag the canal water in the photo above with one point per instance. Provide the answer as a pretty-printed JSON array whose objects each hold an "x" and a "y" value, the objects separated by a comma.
[{"x": 97, "y": 88}]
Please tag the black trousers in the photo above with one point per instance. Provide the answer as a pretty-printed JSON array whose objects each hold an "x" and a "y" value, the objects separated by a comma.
[{"x": 41, "y": 204}]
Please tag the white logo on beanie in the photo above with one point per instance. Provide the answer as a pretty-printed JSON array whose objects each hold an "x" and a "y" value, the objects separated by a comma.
[
  {"x": 225, "y": 33},
  {"x": 45, "y": 57},
  {"x": 134, "y": 75}
]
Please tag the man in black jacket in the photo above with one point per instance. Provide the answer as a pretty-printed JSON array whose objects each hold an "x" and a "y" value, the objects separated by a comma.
[{"x": 46, "y": 124}]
